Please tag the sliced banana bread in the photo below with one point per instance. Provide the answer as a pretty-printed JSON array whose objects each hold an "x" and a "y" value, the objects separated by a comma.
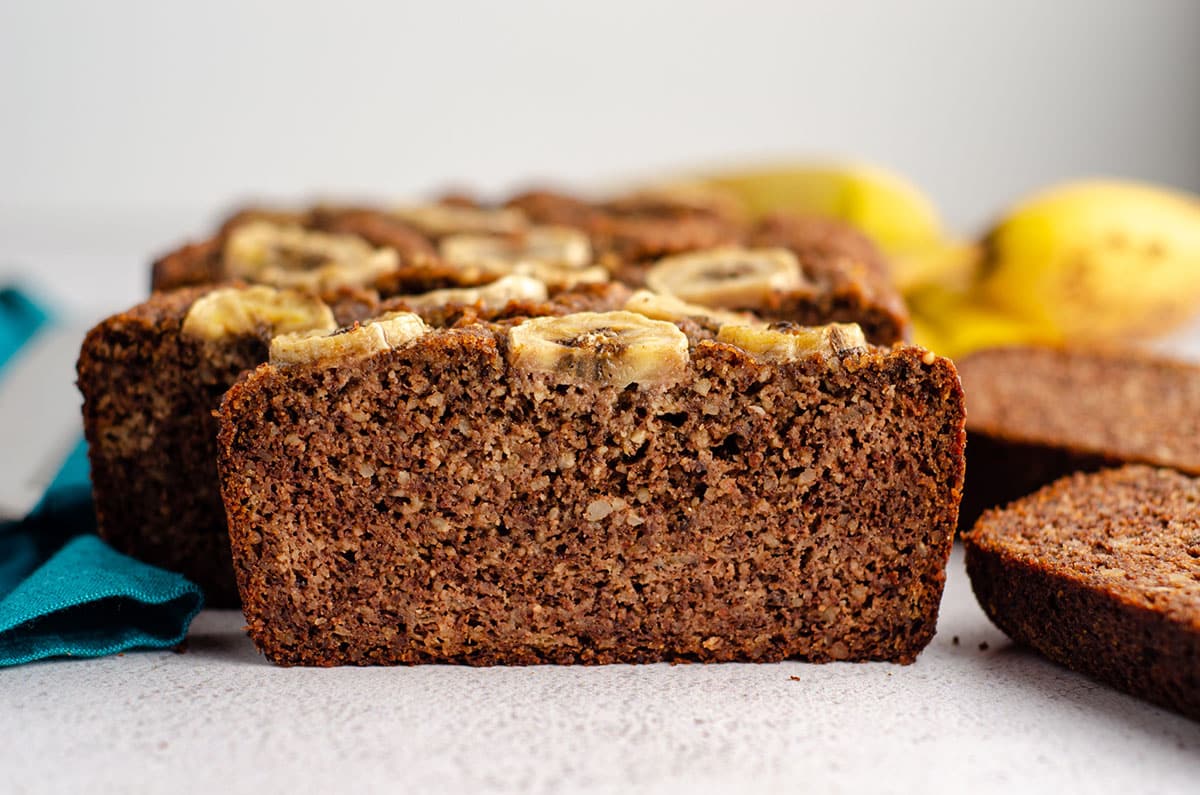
[
  {"x": 591, "y": 488},
  {"x": 1036, "y": 414},
  {"x": 1100, "y": 572}
]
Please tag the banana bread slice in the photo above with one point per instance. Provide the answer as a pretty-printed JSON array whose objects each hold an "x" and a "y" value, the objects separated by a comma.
[
  {"x": 591, "y": 488},
  {"x": 151, "y": 378},
  {"x": 1100, "y": 572},
  {"x": 1036, "y": 414}
]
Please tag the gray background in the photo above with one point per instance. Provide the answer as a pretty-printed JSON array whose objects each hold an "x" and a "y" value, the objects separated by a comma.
[{"x": 127, "y": 124}]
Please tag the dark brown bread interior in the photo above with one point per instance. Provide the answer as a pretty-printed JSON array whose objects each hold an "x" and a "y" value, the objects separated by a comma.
[
  {"x": 431, "y": 504},
  {"x": 1037, "y": 414},
  {"x": 149, "y": 393},
  {"x": 1100, "y": 572}
]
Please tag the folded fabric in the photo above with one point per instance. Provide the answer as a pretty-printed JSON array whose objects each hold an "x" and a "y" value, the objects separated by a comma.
[
  {"x": 20, "y": 319},
  {"x": 63, "y": 591}
]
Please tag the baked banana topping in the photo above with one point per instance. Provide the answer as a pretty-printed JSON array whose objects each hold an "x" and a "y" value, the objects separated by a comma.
[
  {"x": 440, "y": 220},
  {"x": 730, "y": 277},
  {"x": 667, "y": 307},
  {"x": 558, "y": 256},
  {"x": 362, "y": 339},
  {"x": 237, "y": 311},
  {"x": 785, "y": 342},
  {"x": 496, "y": 295},
  {"x": 614, "y": 348},
  {"x": 285, "y": 255}
]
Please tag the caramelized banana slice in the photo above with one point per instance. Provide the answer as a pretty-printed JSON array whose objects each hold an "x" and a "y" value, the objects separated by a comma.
[
  {"x": 612, "y": 348},
  {"x": 284, "y": 255},
  {"x": 239, "y": 311},
  {"x": 729, "y": 277},
  {"x": 496, "y": 295},
  {"x": 785, "y": 342},
  {"x": 668, "y": 307},
  {"x": 440, "y": 220},
  {"x": 558, "y": 256},
  {"x": 362, "y": 339}
]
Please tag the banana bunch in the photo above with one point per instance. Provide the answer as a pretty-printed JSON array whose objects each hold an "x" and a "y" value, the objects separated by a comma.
[
  {"x": 1096, "y": 260},
  {"x": 1085, "y": 262}
]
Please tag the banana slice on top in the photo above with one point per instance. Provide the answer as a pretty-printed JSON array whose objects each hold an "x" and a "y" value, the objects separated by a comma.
[
  {"x": 286, "y": 255},
  {"x": 606, "y": 348},
  {"x": 362, "y": 339},
  {"x": 440, "y": 220},
  {"x": 730, "y": 277},
  {"x": 496, "y": 295},
  {"x": 558, "y": 256},
  {"x": 667, "y": 307},
  {"x": 235, "y": 311},
  {"x": 786, "y": 342}
]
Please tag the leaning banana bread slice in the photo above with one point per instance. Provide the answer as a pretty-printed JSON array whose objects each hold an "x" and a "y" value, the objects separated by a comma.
[
  {"x": 1100, "y": 572},
  {"x": 591, "y": 488},
  {"x": 1037, "y": 414},
  {"x": 151, "y": 378}
]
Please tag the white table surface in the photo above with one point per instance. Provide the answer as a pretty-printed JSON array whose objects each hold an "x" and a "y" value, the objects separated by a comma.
[{"x": 219, "y": 718}]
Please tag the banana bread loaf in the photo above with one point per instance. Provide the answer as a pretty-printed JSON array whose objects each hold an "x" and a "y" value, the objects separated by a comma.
[
  {"x": 832, "y": 273},
  {"x": 151, "y": 378},
  {"x": 1036, "y": 414},
  {"x": 701, "y": 244},
  {"x": 1100, "y": 572},
  {"x": 591, "y": 488}
]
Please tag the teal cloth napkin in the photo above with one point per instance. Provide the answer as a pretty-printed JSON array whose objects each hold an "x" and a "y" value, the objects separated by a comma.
[{"x": 63, "y": 591}]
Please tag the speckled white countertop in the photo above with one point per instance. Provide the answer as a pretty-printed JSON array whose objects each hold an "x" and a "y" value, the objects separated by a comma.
[{"x": 973, "y": 715}]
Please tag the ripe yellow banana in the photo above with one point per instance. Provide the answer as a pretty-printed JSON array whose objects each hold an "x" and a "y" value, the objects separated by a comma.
[
  {"x": 881, "y": 203},
  {"x": 1096, "y": 261},
  {"x": 953, "y": 323}
]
